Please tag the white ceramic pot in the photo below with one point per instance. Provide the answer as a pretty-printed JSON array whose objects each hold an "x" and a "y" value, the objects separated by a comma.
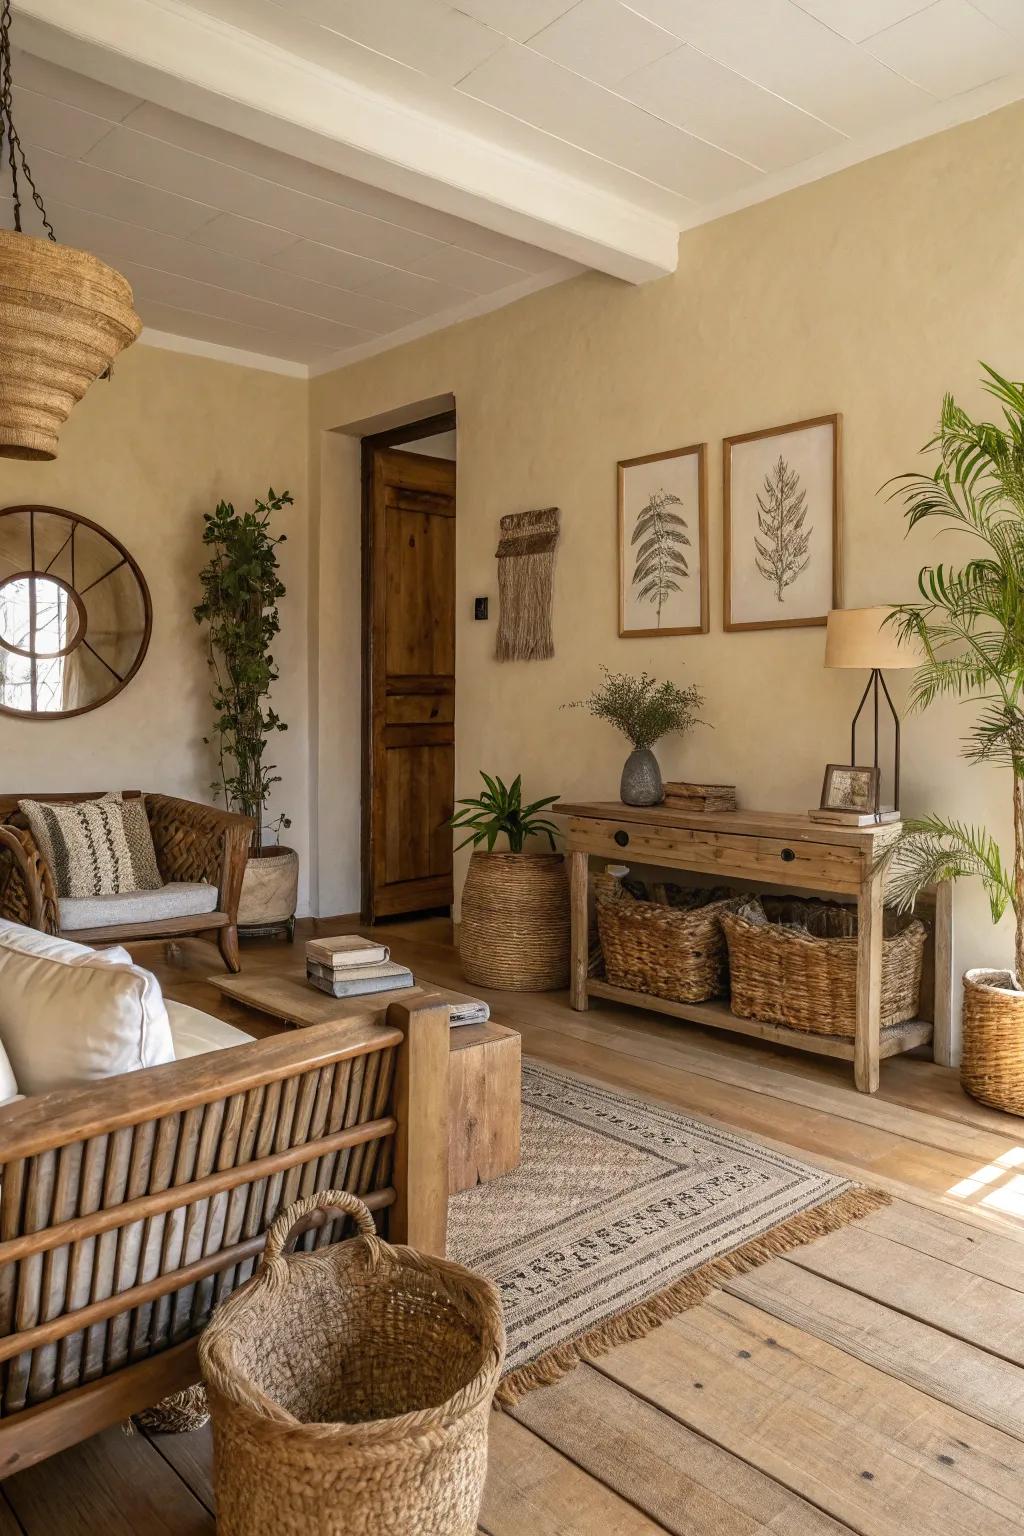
[{"x": 270, "y": 888}]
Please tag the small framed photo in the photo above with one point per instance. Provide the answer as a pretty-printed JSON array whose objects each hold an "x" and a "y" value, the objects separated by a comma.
[
  {"x": 663, "y": 535},
  {"x": 783, "y": 525},
  {"x": 849, "y": 788}
]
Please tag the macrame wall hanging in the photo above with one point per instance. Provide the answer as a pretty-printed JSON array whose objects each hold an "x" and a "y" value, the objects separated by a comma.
[{"x": 526, "y": 564}]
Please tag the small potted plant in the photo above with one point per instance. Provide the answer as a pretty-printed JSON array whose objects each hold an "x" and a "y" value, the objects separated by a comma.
[
  {"x": 969, "y": 629},
  {"x": 514, "y": 928},
  {"x": 241, "y": 591},
  {"x": 644, "y": 710}
]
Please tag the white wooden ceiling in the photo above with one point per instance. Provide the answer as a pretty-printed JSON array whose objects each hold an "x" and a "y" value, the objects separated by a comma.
[{"x": 669, "y": 111}]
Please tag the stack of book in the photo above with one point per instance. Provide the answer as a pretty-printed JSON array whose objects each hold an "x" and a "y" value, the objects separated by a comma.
[
  {"x": 351, "y": 966},
  {"x": 710, "y": 798}
]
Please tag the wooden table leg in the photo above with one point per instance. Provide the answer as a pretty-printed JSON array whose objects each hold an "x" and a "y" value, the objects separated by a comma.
[
  {"x": 580, "y": 928},
  {"x": 869, "y": 983},
  {"x": 943, "y": 1044}
]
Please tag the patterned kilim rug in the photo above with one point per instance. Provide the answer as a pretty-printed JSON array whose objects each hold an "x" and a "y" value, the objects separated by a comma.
[{"x": 623, "y": 1213}]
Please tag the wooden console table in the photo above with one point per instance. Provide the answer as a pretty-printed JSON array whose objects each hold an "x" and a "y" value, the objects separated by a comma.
[{"x": 766, "y": 848}]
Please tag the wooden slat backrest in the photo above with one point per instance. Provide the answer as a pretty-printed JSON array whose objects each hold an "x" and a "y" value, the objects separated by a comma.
[{"x": 129, "y": 1208}]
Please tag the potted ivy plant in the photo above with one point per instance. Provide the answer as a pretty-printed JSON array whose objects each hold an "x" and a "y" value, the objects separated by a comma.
[
  {"x": 241, "y": 590},
  {"x": 514, "y": 928},
  {"x": 969, "y": 626},
  {"x": 644, "y": 710}
]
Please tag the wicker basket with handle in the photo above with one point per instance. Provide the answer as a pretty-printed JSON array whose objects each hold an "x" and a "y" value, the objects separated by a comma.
[
  {"x": 795, "y": 962},
  {"x": 665, "y": 951},
  {"x": 350, "y": 1388}
]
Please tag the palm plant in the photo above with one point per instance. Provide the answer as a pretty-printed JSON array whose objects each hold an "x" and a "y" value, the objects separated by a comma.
[
  {"x": 969, "y": 627},
  {"x": 499, "y": 809}
]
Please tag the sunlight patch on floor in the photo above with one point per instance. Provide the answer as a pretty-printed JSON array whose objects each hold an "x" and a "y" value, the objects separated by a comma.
[{"x": 996, "y": 1185}]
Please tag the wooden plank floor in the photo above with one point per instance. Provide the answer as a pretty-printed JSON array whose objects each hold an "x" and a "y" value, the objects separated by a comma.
[{"x": 872, "y": 1382}]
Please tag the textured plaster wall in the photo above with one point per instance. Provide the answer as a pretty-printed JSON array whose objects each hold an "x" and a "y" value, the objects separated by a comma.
[
  {"x": 869, "y": 293},
  {"x": 145, "y": 456}
]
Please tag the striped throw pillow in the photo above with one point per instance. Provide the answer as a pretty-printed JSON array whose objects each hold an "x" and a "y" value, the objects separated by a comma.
[{"x": 95, "y": 847}]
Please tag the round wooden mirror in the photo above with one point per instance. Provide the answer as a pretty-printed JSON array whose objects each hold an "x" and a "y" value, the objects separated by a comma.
[{"x": 75, "y": 614}]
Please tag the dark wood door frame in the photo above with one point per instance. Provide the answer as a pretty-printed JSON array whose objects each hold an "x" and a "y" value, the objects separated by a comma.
[{"x": 393, "y": 437}]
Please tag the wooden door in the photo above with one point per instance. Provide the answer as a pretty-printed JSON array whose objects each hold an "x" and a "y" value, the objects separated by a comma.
[{"x": 410, "y": 684}]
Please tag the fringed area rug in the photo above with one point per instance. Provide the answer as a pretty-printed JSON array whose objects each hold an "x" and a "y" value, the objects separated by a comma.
[{"x": 624, "y": 1213}]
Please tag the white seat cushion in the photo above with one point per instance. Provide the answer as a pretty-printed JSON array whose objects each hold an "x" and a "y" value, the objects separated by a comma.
[
  {"x": 194, "y": 1032},
  {"x": 182, "y": 898},
  {"x": 70, "y": 1014},
  {"x": 8, "y": 1081}
]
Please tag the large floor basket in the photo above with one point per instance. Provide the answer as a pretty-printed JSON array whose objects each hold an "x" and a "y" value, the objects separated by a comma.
[
  {"x": 350, "y": 1388},
  {"x": 795, "y": 962}
]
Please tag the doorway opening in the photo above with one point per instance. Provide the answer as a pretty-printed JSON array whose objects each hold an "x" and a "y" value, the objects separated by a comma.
[{"x": 408, "y": 667}]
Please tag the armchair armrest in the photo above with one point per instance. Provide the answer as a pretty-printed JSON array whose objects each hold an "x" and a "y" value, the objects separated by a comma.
[
  {"x": 28, "y": 892},
  {"x": 201, "y": 842}
]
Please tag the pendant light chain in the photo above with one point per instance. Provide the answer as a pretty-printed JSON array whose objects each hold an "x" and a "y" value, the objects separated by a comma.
[{"x": 14, "y": 149}]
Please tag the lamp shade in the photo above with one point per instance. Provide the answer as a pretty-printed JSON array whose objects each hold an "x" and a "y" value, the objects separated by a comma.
[{"x": 859, "y": 637}]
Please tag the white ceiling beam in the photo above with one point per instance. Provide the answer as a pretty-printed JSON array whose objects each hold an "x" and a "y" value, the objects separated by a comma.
[{"x": 189, "y": 62}]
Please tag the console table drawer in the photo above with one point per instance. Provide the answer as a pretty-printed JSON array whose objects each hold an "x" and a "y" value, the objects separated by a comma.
[{"x": 805, "y": 865}]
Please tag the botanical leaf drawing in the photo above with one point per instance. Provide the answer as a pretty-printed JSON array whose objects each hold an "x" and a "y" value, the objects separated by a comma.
[
  {"x": 782, "y": 549},
  {"x": 659, "y": 539}
]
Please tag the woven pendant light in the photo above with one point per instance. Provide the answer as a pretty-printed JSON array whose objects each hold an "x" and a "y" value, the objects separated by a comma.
[{"x": 64, "y": 315}]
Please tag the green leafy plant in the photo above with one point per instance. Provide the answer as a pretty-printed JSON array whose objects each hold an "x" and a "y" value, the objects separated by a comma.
[
  {"x": 241, "y": 591},
  {"x": 643, "y": 709},
  {"x": 499, "y": 809},
  {"x": 969, "y": 627}
]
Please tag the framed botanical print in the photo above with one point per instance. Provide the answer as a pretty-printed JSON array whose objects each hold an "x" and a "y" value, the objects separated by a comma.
[
  {"x": 663, "y": 536},
  {"x": 783, "y": 525}
]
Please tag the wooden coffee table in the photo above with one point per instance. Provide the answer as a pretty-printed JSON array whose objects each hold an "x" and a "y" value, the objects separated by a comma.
[{"x": 484, "y": 1075}]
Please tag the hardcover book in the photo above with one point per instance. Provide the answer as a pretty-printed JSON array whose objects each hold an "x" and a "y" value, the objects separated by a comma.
[{"x": 347, "y": 949}]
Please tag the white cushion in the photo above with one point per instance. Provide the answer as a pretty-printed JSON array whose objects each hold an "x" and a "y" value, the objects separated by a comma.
[
  {"x": 8, "y": 1081},
  {"x": 70, "y": 1014},
  {"x": 182, "y": 898},
  {"x": 194, "y": 1032}
]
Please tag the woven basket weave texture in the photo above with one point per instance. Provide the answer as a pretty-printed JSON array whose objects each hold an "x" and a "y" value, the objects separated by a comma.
[
  {"x": 64, "y": 317},
  {"x": 800, "y": 967},
  {"x": 992, "y": 1064},
  {"x": 514, "y": 930},
  {"x": 677, "y": 954},
  {"x": 350, "y": 1389}
]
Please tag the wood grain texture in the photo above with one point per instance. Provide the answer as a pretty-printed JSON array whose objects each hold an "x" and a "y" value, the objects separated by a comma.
[
  {"x": 946, "y": 1368},
  {"x": 668, "y": 1472},
  {"x": 866, "y": 1448},
  {"x": 115, "y": 1484},
  {"x": 533, "y": 1488},
  {"x": 484, "y": 1105}
]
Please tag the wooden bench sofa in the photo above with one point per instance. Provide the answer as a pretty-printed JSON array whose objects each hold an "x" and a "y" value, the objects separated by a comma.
[{"x": 131, "y": 1206}]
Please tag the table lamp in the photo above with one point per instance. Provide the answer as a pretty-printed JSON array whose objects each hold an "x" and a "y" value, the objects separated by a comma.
[{"x": 859, "y": 637}]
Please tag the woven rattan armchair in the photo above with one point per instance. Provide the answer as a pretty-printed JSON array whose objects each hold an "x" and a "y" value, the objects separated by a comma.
[{"x": 193, "y": 842}]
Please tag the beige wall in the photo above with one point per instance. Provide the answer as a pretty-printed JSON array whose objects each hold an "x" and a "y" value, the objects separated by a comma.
[
  {"x": 869, "y": 293},
  {"x": 145, "y": 456}
]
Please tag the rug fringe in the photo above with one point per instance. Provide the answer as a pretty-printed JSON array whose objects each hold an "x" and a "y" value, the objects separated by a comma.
[{"x": 689, "y": 1291}]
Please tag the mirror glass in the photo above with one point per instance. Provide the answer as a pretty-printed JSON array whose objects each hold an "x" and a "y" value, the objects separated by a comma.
[{"x": 75, "y": 614}]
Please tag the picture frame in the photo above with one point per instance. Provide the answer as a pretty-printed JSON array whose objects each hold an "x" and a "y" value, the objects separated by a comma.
[
  {"x": 849, "y": 787},
  {"x": 783, "y": 517},
  {"x": 663, "y": 543}
]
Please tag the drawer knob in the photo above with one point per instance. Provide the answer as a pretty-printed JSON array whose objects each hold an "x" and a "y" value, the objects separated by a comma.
[
  {"x": 787, "y": 855},
  {"x": 622, "y": 838}
]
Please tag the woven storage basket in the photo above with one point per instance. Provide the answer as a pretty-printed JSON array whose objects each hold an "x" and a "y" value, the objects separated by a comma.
[
  {"x": 514, "y": 929},
  {"x": 350, "y": 1389},
  {"x": 992, "y": 1065},
  {"x": 806, "y": 976},
  {"x": 665, "y": 951},
  {"x": 64, "y": 317}
]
